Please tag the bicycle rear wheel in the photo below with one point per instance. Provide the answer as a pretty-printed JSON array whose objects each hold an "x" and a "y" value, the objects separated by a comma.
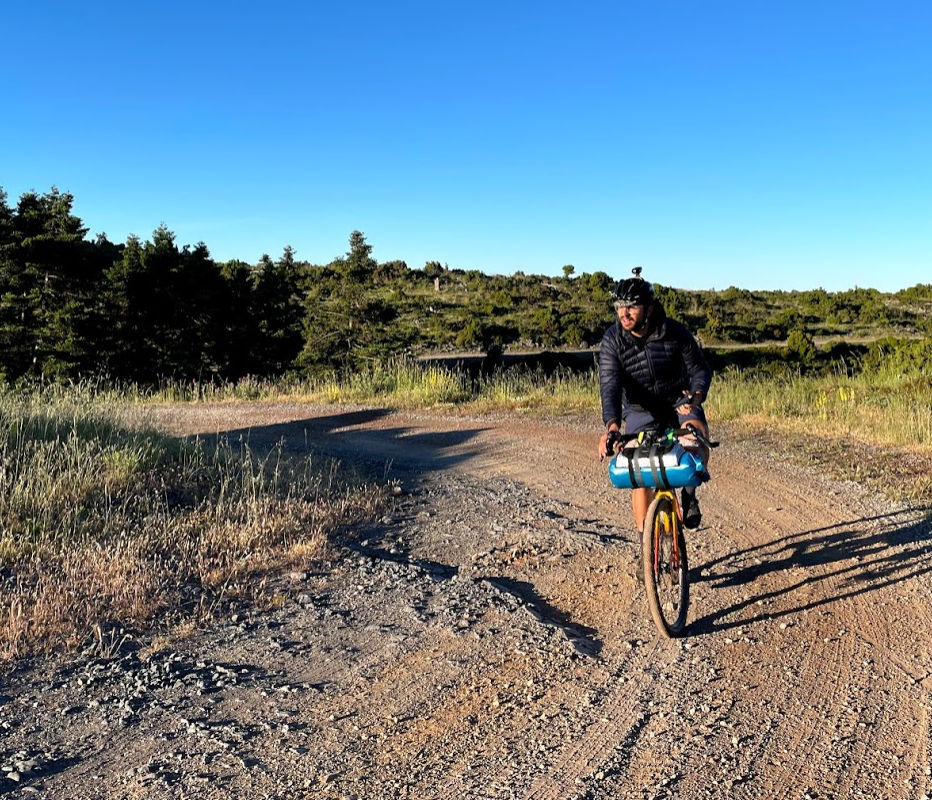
[{"x": 666, "y": 570}]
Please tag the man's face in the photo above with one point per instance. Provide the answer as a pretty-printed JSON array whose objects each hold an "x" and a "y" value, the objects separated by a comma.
[{"x": 632, "y": 318}]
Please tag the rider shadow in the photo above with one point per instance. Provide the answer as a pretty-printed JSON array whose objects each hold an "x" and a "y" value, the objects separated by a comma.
[
  {"x": 864, "y": 560},
  {"x": 581, "y": 637}
]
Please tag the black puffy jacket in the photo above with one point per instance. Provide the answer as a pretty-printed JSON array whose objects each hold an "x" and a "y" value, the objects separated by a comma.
[{"x": 650, "y": 372}]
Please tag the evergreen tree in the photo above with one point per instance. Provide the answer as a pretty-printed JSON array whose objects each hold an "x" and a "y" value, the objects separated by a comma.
[
  {"x": 279, "y": 313},
  {"x": 130, "y": 350},
  {"x": 358, "y": 266},
  {"x": 48, "y": 277},
  {"x": 239, "y": 323},
  {"x": 349, "y": 316}
]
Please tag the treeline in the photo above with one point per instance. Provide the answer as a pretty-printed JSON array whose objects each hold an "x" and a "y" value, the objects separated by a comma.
[
  {"x": 137, "y": 311},
  {"x": 742, "y": 316},
  {"x": 148, "y": 310}
]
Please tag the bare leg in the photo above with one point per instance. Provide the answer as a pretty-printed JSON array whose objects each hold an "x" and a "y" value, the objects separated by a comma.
[{"x": 640, "y": 500}]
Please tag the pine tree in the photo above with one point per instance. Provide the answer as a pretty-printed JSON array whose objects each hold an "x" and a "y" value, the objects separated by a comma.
[{"x": 48, "y": 276}]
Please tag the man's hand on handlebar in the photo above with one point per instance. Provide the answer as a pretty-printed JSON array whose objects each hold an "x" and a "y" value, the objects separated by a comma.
[
  {"x": 692, "y": 430},
  {"x": 607, "y": 442}
]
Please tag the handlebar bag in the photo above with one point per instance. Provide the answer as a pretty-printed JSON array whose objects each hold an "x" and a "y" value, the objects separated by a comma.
[{"x": 655, "y": 467}]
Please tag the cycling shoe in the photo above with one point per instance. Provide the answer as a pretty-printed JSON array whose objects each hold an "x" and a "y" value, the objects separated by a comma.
[{"x": 692, "y": 514}]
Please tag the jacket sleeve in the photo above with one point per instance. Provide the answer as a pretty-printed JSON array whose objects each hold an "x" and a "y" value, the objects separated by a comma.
[
  {"x": 697, "y": 368},
  {"x": 610, "y": 391}
]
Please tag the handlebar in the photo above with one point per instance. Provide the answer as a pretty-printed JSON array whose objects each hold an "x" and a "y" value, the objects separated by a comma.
[{"x": 617, "y": 438}]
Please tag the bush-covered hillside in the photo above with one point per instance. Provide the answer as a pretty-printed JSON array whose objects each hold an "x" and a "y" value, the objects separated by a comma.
[{"x": 148, "y": 310}]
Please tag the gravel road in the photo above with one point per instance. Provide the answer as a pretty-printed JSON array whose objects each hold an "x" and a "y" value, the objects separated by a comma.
[{"x": 488, "y": 638}]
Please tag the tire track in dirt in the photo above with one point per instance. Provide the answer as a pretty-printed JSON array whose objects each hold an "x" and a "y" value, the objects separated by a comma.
[
  {"x": 491, "y": 640},
  {"x": 815, "y": 586},
  {"x": 603, "y": 747}
]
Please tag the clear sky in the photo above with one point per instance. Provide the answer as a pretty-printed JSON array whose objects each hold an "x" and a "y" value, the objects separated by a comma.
[{"x": 766, "y": 145}]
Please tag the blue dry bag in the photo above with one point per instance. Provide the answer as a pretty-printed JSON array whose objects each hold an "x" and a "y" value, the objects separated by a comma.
[{"x": 656, "y": 466}]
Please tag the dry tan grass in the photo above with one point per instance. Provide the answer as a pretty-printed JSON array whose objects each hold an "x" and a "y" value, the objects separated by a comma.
[{"x": 106, "y": 526}]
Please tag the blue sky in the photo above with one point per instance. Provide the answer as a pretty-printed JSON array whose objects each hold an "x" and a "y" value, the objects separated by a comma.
[{"x": 758, "y": 144}]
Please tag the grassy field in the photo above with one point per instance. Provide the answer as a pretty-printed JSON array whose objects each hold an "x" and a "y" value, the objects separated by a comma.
[
  {"x": 883, "y": 408},
  {"x": 873, "y": 427},
  {"x": 106, "y": 524}
]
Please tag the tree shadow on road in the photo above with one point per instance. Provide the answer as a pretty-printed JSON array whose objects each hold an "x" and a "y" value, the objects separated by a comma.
[
  {"x": 855, "y": 557},
  {"x": 369, "y": 544},
  {"x": 372, "y": 452},
  {"x": 582, "y": 638}
]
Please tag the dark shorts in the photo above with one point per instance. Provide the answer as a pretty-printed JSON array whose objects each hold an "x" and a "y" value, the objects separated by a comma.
[{"x": 637, "y": 420}]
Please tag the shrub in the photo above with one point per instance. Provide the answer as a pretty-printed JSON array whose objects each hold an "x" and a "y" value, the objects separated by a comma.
[
  {"x": 801, "y": 347},
  {"x": 902, "y": 357}
]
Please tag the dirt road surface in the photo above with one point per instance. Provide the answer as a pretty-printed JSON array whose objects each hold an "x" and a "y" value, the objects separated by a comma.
[{"x": 488, "y": 638}]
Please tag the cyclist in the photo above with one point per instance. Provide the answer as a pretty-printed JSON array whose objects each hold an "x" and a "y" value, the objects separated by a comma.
[{"x": 652, "y": 375}]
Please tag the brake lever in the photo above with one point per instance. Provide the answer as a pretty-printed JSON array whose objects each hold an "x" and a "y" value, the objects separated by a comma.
[{"x": 701, "y": 436}]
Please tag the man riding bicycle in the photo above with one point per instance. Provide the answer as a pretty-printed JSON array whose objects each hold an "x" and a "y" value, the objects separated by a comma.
[{"x": 652, "y": 376}]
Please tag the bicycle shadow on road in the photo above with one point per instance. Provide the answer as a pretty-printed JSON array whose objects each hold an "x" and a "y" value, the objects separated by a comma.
[{"x": 857, "y": 556}]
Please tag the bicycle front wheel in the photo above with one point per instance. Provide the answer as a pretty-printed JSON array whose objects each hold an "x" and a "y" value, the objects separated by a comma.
[{"x": 666, "y": 571}]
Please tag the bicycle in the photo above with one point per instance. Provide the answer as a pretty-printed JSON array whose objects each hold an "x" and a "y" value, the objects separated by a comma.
[{"x": 661, "y": 462}]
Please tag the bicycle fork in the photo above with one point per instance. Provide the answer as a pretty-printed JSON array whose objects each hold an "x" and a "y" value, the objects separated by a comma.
[{"x": 669, "y": 522}]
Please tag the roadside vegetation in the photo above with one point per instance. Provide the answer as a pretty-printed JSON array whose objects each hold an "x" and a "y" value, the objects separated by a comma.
[
  {"x": 107, "y": 525},
  {"x": 881, "y": 395}
]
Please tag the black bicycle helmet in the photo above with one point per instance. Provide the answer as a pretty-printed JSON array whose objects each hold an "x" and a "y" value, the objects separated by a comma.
[{"x": 633, "y": 291}]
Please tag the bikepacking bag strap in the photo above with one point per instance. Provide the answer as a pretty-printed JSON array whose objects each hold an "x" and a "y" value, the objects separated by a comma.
[
  {"x": 652, "y": 452},
  {"x": 656, "y": 465},
  {"x": 635, "y": 456},
  {"x": 633, "y": 460}
]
